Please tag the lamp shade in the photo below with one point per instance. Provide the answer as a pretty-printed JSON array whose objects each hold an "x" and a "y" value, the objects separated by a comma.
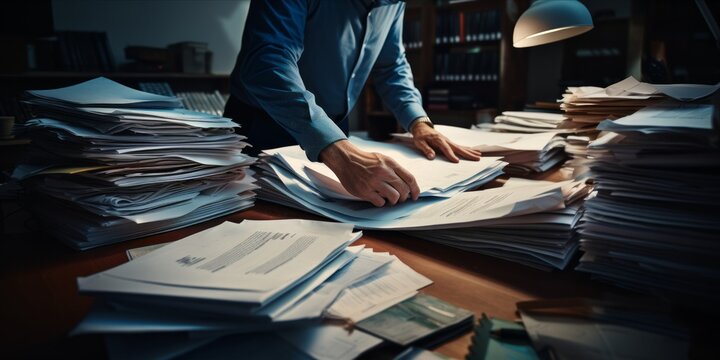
[{"x": 548, "y": 21}]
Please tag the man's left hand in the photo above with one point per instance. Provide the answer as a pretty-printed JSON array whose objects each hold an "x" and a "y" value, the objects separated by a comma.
[{"x": 428, "y": 140}]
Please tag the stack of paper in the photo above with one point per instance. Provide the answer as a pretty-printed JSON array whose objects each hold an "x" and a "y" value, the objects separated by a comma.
[
  {"x": 511, "y": 220},
  {"x": 525, "y": 153},
  {"x": 524, "y": 221},
  {"x": 472, "y": 208},
  {"x": 289, "y": 178},
  {"x": 654, "y": 222},
  {"x": 590, "y": 105},
  {"x": 532, "y": 122},
  {"x": 124, "y": 163},
  {"x": 544, "y": 239},
  {"x": 245, "y": 278}
]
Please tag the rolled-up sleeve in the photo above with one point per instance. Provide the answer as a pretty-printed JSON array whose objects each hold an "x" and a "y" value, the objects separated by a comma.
[
  {"x": 393, "y": 77},
  {"x": 272, "y": 45}
]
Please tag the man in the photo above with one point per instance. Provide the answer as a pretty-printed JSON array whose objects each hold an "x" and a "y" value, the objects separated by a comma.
[{"x": 302, "y": 66}]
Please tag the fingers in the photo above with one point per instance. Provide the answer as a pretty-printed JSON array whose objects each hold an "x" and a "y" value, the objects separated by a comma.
[
  {"x": 375, "y": 199},
  {"x": 423, "y": 146},
  {"x": 451, "y": 151},
  {"x": 408, "y": 179},
  {"x": 466, "y": 153},
  {"x": 389, "y": 193},
  {"x": 443, "y": 145},
  {"x": 392, "y": 186}
]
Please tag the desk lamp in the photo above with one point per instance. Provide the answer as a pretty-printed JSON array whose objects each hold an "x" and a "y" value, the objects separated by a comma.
[{"x": 548, "y": 21}]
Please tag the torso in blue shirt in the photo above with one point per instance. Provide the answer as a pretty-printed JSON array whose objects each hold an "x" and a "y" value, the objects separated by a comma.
[{"x": 305, "y": 64}]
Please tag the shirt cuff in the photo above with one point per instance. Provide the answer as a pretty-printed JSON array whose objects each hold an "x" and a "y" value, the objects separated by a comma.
[
  {"x": 318, "y": 137},
  {"x": 409, "y": 113}
]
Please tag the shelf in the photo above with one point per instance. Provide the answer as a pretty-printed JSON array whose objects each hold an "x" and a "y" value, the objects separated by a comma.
[
  {"x": 446, "y": 83},
  {"x": 129, "y": 75},
  {"x": 507, "y": 90},
  {"x": 469, "y": 44}
]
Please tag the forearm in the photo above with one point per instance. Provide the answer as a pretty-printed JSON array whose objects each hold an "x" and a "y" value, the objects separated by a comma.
[
  {"x": 268, "y": 73},
  {"x": 393, "y": 77}
]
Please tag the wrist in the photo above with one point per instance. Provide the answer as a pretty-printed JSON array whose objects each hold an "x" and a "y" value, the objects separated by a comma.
[
  {"x": 419, "y": 123},
  {"x": 335, "y": 152}
]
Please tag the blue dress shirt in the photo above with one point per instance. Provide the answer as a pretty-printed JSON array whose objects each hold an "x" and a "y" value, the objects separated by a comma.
[{"x": 304, "y": 62}]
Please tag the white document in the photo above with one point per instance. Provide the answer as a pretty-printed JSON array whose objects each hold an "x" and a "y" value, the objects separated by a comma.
[
  {"x": 493, "y": 142},
  {"x": 253, "y": 255},
  {"x": 682, "y": 92},
  {"x": 474, "y": 207},
  {"x": 300, "y": 292},
  {"x": 313, "y": 305},
  {"x": 537, "y": 115},
  {"x": 388, "y": 287},
  {"x": 667, "y": 116},
  {"x": 497, "y": 142},
  {"x": 198, "y": 300}
]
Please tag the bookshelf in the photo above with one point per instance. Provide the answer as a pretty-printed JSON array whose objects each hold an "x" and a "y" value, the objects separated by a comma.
[{"x": 463, "y": 63}]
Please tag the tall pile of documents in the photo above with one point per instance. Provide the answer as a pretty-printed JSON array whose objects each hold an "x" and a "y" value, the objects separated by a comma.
[
  {"x": 545, "y": 240},
  {"x": 587, "y": 106},
  {"x": 123, "y": 164},
  {"x": 653, "y": 225},
  {"x": 279, "y": 276}
]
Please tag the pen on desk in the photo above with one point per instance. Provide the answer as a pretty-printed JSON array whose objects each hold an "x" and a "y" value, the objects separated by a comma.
[{"x": 510, "y": 334}]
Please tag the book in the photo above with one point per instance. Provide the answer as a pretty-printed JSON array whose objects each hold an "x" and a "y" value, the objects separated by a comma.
[{"x": 422, "y": 320}]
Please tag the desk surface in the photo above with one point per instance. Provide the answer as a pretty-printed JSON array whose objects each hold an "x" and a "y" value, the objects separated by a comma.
[{"x": 40, "y": 302}]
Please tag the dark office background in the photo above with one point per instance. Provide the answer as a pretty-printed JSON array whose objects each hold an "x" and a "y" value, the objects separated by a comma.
[{"x": 660, "y": 41}]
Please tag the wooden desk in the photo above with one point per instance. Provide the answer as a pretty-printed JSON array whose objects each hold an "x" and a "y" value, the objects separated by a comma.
[{"x": 40, "y": 303}]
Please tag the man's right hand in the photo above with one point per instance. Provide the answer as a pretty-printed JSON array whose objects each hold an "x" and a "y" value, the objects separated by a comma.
[{"x": 370, "y": 176}]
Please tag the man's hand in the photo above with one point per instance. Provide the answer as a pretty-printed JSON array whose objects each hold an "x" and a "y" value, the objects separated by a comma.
[
  {"x": 427, "y": 140},
  {"x": 370, "y": 176}
]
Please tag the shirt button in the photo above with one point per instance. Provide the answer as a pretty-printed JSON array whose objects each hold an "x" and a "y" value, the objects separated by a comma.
[{"x": 352, "y": 75}]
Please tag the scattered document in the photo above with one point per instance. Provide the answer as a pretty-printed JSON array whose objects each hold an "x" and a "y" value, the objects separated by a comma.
[
  {"x": 383, "y": 289},
  {"x": 252, "y": 255},
  {"x": 204, "y": 295}
]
